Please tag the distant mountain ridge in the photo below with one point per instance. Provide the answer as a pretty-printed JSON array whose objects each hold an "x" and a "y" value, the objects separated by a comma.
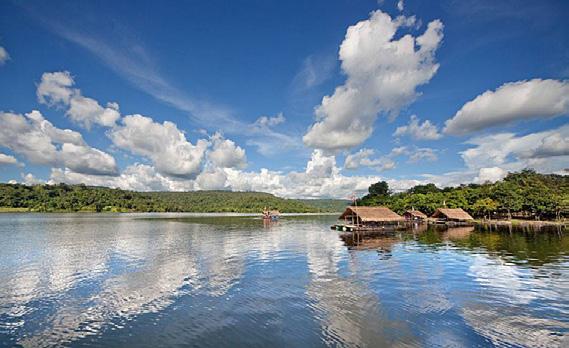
[{"x": 75, "y": 198}]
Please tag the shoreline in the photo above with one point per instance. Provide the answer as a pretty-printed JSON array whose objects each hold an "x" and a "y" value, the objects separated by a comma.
[
  {"x": 216, "y": 213},
  {"x": 522, "y": 223}
]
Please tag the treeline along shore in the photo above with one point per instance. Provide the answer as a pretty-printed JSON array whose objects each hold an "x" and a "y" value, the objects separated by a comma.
[
  {"x": 524, "y": 195},
  {"x": 81, "y": 198}
]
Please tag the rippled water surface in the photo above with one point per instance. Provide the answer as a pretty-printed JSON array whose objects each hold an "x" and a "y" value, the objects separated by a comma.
[{"x": 148, "y": 280}]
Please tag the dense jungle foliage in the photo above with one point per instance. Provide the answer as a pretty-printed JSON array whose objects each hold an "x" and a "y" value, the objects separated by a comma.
[
  {"x": 525, "y": 194},
  {"x": 62, "y": 197}
]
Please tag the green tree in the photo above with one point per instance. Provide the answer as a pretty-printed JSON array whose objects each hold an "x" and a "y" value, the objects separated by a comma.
[
  {"x": 484, "y": 207},
  {"x": 380, "y": 188},
  {"x": 424, "y": 189},
  {"x": 508, "y": 197},
  {"x": 561, "y": 205}
]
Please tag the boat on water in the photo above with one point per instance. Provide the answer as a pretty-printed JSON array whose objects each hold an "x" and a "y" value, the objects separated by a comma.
[{"x": 271, "y": 215}]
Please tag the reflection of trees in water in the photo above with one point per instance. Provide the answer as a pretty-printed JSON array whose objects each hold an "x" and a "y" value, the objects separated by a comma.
[
  {"x": 509, "y": 287},
  {"x": 534, "y": 248},
  {"x": 502, "y": 309},
  {"x": 143, "y": 266}
]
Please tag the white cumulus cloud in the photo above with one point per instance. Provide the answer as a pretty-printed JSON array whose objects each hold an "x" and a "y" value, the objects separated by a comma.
[
  {"x": 422, "y": 153},
  {"x": 418, "y": 130},
  {"x": 137, "y": 177},
  {"x": 321, "y": 165},
  {"x": 364, "y": 158},
  {"x": 23, "y": 136},
  {"x": 382, "y": 71},
  {"x": 55, "y": 89},
  {"x": 511, "y": 102},
  {"x": 163, "y": 143},
  {"x": 491, "y": 174},
  {"x": 88, "y": 160},
  {"x": 30, "y": 179},
  {"x": 321, "y": 178},
  {"x": 212, "y": 180},
  {"x": 270, "y": 121},
  {"x": 556, "y": 144},
  {"x": 35, "y": 138},
  {"x": 87, "y": 111},
  {"x": 7, "y": 159},
  {"x": 546, "y": 151},
  {"x": 226, "y": 154},
  {"x": 4, "y": 56}
]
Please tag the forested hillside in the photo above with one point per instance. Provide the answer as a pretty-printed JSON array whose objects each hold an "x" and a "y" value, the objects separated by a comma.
[
  {"x": 526, "y": 194},
  {"x": 62, "y": 197}
]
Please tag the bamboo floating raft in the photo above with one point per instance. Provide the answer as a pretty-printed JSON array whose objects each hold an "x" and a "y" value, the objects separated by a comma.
[
  {"x": 363, "y": 228},
  {"x": 368, "y": 219}
]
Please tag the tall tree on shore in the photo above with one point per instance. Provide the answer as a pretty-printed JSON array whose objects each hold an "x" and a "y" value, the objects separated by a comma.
[
  {"x": 484, "y": 207},
  {"x": 380, "y": 188}
]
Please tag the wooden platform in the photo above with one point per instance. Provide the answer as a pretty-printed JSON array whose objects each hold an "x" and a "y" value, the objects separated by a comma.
[
  {"x": 355, "y": 228},
  {"x": 451, "y": 223}
]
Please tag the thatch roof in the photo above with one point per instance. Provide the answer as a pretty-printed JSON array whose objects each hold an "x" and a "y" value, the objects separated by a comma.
[
  {"x": 452, "y": 214},
  {"x": 372, "y": 214},
  {"x": 416, "y": 214}
]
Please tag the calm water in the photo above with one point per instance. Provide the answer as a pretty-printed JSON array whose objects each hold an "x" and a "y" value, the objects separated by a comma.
[{"x": 149, "y": 280}]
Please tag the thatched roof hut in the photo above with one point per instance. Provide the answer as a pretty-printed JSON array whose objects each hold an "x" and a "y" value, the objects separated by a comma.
[
  {"x": 455, "y": 214},
  {"x": 414, "y": 215},
  {"x": 370, "y": 215}
]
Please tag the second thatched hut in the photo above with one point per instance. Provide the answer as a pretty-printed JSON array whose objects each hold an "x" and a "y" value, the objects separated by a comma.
[
  {"x": 415, "y": 216},
  {"x": 370, "y": 216},
  {"x": 453, "y": 215}
]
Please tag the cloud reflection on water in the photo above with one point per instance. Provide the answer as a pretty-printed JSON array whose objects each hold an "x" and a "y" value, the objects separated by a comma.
[{"x": 80, "y": 276}]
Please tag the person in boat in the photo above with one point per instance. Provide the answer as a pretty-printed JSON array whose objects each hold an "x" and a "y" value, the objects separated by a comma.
[{"x": 270, "y": 214}]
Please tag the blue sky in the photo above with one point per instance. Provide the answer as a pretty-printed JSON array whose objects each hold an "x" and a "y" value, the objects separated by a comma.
[{"x": 301, "y": 99}]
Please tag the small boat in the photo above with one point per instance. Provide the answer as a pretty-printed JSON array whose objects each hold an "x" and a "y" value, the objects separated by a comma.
[{"x": 272, "y": 215}]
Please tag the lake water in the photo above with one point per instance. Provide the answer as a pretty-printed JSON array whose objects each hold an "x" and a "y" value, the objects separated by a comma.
[{"x": 147, "y": 280}]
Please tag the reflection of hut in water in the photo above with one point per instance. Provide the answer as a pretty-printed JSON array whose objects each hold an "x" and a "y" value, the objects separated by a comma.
[
  {"x": 382, "y": 243},
  {"x": 418, "y": 228},
  {"x": 414, "y": 216},
  {"x": 368, "y": 218},
  {"x": 452, "y": 216},
  {"x": 458, "y": 233}
]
